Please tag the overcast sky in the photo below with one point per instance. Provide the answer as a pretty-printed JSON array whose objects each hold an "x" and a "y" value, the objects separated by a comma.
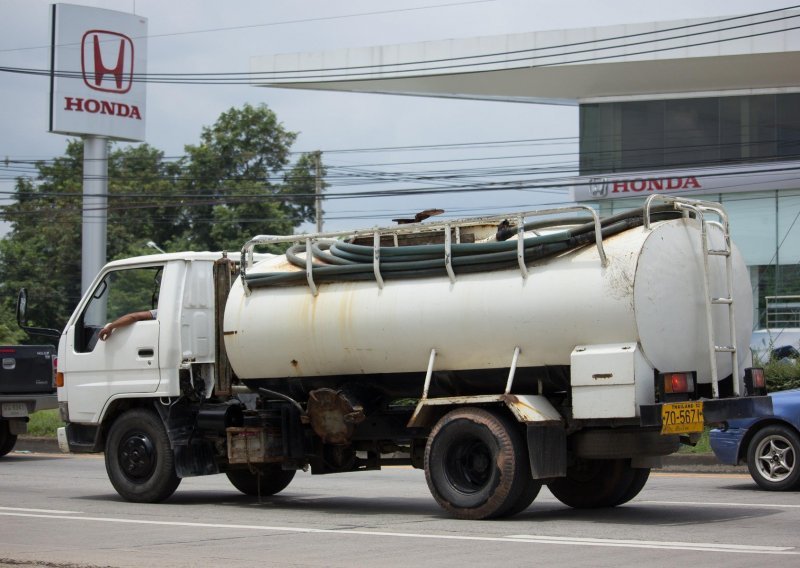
[{"x": 326, "y": 121}]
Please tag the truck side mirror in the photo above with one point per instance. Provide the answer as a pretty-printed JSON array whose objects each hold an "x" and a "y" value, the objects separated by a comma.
[
  {"x": 22, "y": 318},
  {"x": 22, "y": 308}
]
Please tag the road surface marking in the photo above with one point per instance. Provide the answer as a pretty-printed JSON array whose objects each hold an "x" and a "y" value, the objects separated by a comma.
[
  {"x": 702, "y": 546},
  {"x": 711, "y": 503},
  {"x": 53, "y": 511},
  {"x": 701, "y": 475},
  {"x": 519, "y": 539}
]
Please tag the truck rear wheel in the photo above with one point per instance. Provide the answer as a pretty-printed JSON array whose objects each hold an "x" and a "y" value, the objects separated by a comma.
[
  {"x": 269, "y": 481},
  {"x": 476, "y": 465},
  {"x": 139, "y": 460},
  {"x": 591, "y": 484},
  {"x": 7, "y": 439}
]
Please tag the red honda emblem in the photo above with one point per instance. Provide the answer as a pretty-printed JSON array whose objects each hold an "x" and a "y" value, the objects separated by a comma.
[{"x": 107, "y": 61}]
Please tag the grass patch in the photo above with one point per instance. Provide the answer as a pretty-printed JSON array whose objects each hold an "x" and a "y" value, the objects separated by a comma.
[
  {"x": 702, "y": 447},
  {"x": 44, "y": 423}
]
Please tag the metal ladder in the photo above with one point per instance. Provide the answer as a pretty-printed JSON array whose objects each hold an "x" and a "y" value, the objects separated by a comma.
[
  {"x": 700, "y": 208},
  {"x": 726, "y": 300}
]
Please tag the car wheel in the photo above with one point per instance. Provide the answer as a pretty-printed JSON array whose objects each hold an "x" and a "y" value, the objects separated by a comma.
[
  {"x": 7, "y": 439},
  {"x": 772, "y": 458}
]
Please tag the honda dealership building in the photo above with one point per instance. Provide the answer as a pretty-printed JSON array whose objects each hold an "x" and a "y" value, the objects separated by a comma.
[{"x": 706, "y": 108}]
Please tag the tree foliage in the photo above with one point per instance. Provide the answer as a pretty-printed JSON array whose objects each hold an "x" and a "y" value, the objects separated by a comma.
[{"x": 238, "y": 181}]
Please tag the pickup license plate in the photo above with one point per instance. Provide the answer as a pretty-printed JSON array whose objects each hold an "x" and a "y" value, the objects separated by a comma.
[
  {"x": 682, "y": 417},
  {"x": 14, "y": 410}
]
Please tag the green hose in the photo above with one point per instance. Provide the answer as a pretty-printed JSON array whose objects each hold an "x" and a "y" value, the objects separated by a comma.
[{"x": 343, "y": 261}]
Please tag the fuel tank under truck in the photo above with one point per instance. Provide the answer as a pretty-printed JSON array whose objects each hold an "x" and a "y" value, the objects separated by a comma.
[{"x": 650, "y": 291}]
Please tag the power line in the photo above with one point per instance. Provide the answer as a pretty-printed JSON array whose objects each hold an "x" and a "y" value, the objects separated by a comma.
[
  {"x": 179, "y": 200},
  {"x": 234, "y": 78},
  {"x": 278, "y": 23},
  {"x": 592, "y": 42}
]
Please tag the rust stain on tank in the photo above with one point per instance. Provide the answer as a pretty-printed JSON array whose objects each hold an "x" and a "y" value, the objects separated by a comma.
[{"x": 345, "y": 316}]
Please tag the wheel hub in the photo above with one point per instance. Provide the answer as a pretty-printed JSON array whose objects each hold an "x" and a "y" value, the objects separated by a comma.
[
  {"x": 137, "y": 457},
  {"x": 469, "y": 466}
]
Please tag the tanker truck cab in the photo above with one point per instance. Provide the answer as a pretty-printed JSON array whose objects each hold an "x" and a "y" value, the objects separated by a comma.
[
  {"x": 498, "y": 354},
  {"x": 143, "y": 359}
]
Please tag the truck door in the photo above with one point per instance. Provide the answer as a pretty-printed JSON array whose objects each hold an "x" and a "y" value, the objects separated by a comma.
[{"x": 127, "y": 362}]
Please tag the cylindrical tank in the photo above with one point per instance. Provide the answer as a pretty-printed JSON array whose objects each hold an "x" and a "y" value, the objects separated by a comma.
[{"x": 651, "y": 291}]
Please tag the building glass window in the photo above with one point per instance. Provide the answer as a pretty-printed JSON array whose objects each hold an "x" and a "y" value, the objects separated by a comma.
[{"x": 642, "y": 135}]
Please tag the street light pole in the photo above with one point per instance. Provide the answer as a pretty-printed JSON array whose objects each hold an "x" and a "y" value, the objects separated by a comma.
[{"x": 318, "y": 189}]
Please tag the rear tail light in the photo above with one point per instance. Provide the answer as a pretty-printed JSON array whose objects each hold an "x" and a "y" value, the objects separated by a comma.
[
  {"x": 755, "y": 383},
  {"x": 676, "y": 387},
  {"x": 675, "y": 383}
]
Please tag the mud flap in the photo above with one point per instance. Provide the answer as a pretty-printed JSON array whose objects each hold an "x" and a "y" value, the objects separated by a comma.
[
  {"x": 195, "y": 459},
  {"x": 547, "y": 450}
]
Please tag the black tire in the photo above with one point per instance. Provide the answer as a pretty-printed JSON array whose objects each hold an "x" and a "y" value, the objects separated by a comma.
[
  {"x": 592, "y": 484},
  {"x": 476, "y": 465},
  {"x": 271, "y": 480},
  {"x": 139, "y": 460},
  {"x": 7, "y": 439},
  {"x": 640, "y": 477},
  {"x": 772, "y": 457},
  {"x": 528, "y": 495}
]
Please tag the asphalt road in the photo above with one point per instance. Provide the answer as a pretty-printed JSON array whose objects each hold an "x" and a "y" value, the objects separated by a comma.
[{"x": 61, "y": 511}]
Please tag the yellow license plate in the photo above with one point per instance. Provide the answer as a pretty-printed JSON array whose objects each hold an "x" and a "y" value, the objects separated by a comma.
[{"x": 681, "y": 417}]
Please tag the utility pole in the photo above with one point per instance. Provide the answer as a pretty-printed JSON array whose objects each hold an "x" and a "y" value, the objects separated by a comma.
[{"x": 318, "y": 189}]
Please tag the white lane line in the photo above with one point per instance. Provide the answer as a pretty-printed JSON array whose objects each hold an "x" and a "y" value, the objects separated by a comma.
[
  {"x": 678, "y": 545},
  {"x": 712, "y": 504},
  {"x": 53, "y": 511},
  {"x": 519, "y": 539}
]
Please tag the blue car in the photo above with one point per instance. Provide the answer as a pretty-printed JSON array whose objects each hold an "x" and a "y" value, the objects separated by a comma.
[{"x": 770, "y": 445}]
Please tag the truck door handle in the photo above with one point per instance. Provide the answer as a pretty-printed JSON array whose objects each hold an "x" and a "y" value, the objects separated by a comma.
[{"x": 146, "y": 352}]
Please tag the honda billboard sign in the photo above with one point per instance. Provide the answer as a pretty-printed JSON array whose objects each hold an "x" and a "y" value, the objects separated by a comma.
[{"x": 98, "y": 59}]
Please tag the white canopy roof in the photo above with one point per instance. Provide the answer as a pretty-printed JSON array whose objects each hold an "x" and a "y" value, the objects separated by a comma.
[{"x": 686, "y": 58}]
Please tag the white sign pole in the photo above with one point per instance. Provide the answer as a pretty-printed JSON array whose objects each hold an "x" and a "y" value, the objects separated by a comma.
[
  {"x": 95, "y": 210},
  {"x": 96, "y": 55}
]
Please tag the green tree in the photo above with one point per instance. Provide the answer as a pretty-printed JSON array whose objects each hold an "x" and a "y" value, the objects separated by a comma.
[
  {"x": 239, "y": 167},
  {"x": 10, "y": 333},
  {"x": 234, "y": 184}
]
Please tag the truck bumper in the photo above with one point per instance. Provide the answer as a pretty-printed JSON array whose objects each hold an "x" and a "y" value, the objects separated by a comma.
[
  {"x": 83, "y": 438},
  {"x": 34, "y": 402},
  {"x": 716, "y": 410}
]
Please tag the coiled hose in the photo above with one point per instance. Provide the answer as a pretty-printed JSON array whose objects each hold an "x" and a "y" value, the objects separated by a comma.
[{"x": 339, "y": 260}]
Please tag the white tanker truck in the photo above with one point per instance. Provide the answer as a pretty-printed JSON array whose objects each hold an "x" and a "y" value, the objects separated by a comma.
[{"x": 498, "y": 354}]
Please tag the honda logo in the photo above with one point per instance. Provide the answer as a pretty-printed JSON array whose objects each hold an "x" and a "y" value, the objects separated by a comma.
[
  {"x": 598, "y": 187},
  {"x": 107, "y": 61}
]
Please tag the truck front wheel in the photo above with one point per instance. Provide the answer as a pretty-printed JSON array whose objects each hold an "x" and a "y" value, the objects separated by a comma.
[
  {"x": 591, "y": 483},
  {"x": 269, "y": 481},
  {"x": 7, "y": 439},
  {"x": 139, "y": 460},
  {"x": 476, "y": 465}
]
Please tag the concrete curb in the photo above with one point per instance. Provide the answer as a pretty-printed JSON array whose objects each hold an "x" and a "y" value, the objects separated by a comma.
[
  {"x": 36, "y": 445},
  {"x": 677, "y": 463}
]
